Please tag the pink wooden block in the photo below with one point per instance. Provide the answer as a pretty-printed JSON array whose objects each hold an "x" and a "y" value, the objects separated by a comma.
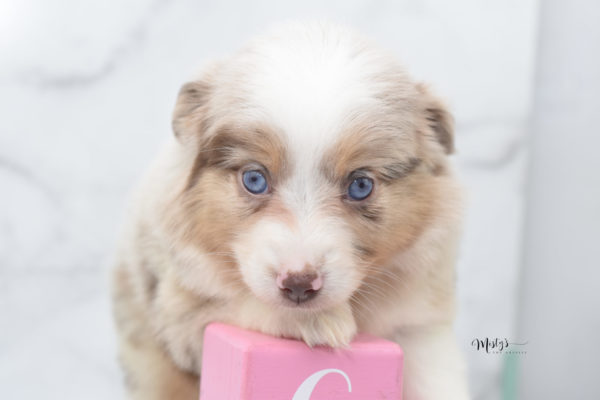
[{"x": 244, "y": 365}]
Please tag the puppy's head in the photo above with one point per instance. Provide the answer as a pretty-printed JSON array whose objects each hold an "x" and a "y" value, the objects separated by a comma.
[{"x": 316, "y": 160}]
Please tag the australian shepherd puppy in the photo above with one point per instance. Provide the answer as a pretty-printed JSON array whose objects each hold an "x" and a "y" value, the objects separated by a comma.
[{"x": 307, "y": 193}]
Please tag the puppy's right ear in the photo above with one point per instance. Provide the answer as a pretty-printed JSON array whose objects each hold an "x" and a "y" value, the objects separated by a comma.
[{"x": 189, "y": 116}]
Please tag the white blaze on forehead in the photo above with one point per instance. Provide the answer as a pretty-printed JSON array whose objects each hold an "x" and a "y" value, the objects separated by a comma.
[{"x": 308, "y": 80}]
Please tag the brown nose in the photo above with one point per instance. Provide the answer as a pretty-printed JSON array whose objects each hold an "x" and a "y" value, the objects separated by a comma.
[{"x": 299, "y": 286}]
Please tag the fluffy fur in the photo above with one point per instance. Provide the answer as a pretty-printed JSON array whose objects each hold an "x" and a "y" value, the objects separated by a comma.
[{"x": 309, "y": 105}]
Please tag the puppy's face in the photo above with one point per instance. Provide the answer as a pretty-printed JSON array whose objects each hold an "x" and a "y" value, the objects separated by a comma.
[{"x": 312, "y": 168}]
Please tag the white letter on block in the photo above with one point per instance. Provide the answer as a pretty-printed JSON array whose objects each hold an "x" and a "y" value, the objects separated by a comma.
[{"x": 307, "y": 387}]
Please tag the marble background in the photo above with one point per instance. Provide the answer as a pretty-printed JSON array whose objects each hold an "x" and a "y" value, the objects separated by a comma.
[{"x": 86, "y": 93}]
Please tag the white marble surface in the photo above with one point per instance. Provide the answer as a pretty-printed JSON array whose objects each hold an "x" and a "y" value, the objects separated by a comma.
[
  {"x": 560, "y": 296},
  {"x": 86, "y": 92}
]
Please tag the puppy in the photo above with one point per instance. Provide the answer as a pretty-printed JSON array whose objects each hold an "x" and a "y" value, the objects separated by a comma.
[{"x": 307, "y": 194}]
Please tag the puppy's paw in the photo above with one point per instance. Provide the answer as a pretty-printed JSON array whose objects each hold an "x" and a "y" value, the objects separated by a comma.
[{"x": 335, "y": 327}]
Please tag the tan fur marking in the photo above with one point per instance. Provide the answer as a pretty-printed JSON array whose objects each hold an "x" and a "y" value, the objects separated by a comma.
[{"x": 234, "y": 145}]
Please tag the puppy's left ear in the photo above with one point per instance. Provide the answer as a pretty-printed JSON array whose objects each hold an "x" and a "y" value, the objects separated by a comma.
[
  {"x": 191, "y": 110},
  {"x": 440, "y": 123}
]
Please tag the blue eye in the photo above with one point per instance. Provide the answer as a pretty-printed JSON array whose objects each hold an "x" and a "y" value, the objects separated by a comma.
[
  {"x": 255, "y": 182},
  {"x": 360, "y": 188}
]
